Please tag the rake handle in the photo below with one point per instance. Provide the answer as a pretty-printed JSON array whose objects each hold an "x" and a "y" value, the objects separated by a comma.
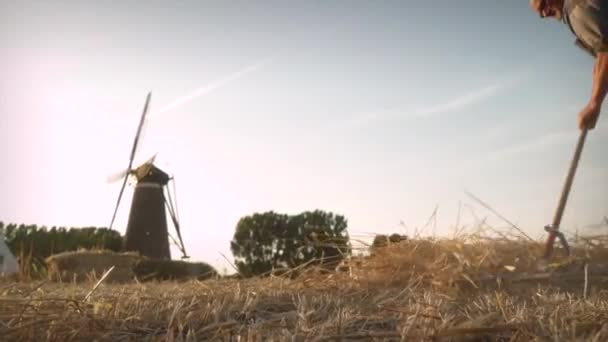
[{"x": 557, "y": 219}]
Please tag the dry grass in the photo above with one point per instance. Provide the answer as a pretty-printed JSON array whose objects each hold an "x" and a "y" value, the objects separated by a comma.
[
  {"x": 83, "y": 265},
  {"x": 413, "y": 290},
  {"x": 88, "y": 264}
]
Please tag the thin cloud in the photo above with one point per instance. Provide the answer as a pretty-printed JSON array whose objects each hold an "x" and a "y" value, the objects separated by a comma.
[
  {"x": 566, "y": 138},
  {"x": 538, "y": 144},
  {"x": 217, "y": 84},
  {"x": 461, "y": 102},
  {"x": 458, "y": 103},
  {"x": 542, "y": 143},
  {"x": 180, "y": 101},
  {"x": 473, "y": 97}
]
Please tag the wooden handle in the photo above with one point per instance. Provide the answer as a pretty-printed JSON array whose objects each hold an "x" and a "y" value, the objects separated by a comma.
[
  {"x": 557, "y": 219},
  {"x": 559, "y": 213}
]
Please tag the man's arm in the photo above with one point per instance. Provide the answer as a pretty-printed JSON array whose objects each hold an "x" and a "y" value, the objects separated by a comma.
[
  {"x": 600, "y": 78},
  {"x": 589, "y": 115},
  {"x": 591, "y": 25}
]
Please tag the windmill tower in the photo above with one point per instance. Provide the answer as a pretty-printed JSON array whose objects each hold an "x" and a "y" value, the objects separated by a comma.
[{"x": 147, "y": 231}]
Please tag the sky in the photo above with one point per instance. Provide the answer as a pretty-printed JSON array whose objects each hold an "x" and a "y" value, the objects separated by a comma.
[{"x": 380, "y": 111}]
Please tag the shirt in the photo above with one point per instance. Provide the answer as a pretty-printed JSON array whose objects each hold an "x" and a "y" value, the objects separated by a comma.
[{"x": 588, "y": 20}]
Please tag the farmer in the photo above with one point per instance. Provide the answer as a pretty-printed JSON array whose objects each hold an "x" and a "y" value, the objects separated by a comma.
[{"x": 588, "y": 20}]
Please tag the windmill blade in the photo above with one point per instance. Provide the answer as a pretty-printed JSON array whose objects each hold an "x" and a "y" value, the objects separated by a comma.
[
  {"x": 141, "y": 136},
  {"x": 152, "y": 159},
  {"x": 120, "y": 175},
  {"x": 117, "y": 176},
  {"x": 139, "y": 128},
  {"x": 132, "y": 156},
  {"x": 122, "y": 189}
]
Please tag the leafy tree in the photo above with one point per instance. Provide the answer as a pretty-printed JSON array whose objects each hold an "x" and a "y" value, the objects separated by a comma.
[
  {"x": 42, "y": 242},
  {"x": 266, "y": 241}
]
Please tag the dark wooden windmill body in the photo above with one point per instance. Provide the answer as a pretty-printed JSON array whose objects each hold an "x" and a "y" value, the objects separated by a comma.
[{"x": 147, "y": 231}]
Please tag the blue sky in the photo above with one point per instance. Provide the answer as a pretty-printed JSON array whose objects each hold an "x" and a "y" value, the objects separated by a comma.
[{"x": 375, "y": 110}]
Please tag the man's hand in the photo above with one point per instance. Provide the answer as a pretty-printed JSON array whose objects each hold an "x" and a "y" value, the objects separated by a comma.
[{"x": 587, "y": 118}]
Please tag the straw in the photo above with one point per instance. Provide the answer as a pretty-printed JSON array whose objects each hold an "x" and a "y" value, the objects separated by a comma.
[{"x": 410, "y": 290}]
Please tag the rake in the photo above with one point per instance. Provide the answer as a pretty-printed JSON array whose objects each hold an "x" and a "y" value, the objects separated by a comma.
[{"x": 553, "y": 229}]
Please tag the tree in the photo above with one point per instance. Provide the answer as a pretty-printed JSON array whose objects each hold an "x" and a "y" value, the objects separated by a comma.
[
  {"x": 42, "y": 242},
  {"x": 266, "y": 241}
]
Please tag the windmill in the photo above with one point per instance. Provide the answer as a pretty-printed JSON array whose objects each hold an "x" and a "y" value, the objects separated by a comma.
[{"x": 147, "y": 231}]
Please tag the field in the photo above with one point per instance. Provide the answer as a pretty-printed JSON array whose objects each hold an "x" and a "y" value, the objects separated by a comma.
[{"x": 417, "y": 290}]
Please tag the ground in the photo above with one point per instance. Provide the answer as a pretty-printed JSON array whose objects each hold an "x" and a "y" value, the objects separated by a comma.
[{"x": 415, "y": 290}]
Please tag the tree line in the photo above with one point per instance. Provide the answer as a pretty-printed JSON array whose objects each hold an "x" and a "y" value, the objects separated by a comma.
[
  {"x": 41, "y": 242},
  {"x": 262, "y": 242}
]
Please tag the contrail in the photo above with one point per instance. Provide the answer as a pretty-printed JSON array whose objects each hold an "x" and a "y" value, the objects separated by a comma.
[
  {"x": 478, "y": 95},
  {"x": 458, "y": 103},
  {"x": 462, "y": 101},
  {"x": 180, "y": 101}
]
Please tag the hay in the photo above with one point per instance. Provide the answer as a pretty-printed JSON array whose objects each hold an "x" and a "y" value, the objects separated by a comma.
[
  {"x": 278, "y": 309},
  {"x": 411, "y": 290},
  {"x": 85, "y": 265},
  {"x": 452, "y": 265},
  {"x": 148, "y": 269}
]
